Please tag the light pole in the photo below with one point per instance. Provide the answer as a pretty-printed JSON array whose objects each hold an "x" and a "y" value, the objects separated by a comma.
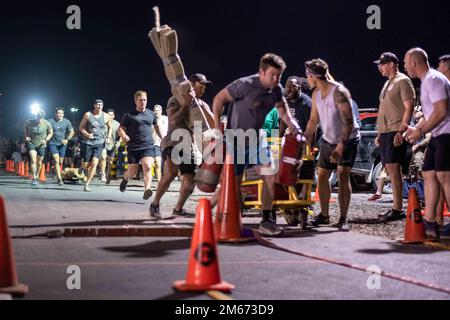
[{"x": 73, "y": 110}]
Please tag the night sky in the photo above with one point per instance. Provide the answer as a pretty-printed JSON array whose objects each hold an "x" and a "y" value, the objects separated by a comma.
[{"x": 111, "y": 56}]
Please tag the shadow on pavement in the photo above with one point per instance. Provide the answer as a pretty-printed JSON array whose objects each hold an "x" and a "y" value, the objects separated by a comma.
[
  {"x": 401, "y": 248},
  {"x": 152, "y": 249}
]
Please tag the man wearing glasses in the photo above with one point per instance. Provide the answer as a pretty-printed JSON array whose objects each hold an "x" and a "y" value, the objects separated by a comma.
[{"x": 394, "y": 114}]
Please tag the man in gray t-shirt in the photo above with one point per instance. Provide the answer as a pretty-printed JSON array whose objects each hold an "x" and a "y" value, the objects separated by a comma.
[
  {"x": 253, "y": 98},
  {"x": 111, "y": 146},
  {"x": 62, "y": 133}
]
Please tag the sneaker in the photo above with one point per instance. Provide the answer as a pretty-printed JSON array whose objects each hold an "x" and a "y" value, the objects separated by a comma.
[
  {"x": 444, "y": 233},
  {"x": 123, "y": 185},
  {"x": 147, "y": 194},
  {"x": 154, "y": 211},
  {"x": 431, "y": 230},
  {"x": 342, "y": 225},
  {"x": 392, "y": 215},
  {"x": 320, "y": 219},
  {"x": 34, "y": 182},
  {"x": 103, "y": 178},
  {"x": 60, "y": 182},
  {"x": 182, "y": 213},
  {"x": 374, "y": 197},
  {"x": 269, "y": 228},
  {"x": 87, "y": 188}
]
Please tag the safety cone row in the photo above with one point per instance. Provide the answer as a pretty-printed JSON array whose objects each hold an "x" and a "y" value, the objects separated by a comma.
[
  {"x": 203, "y": 269},
  {"x": 9, "y": 282},
  {"x": 414, "y": 228},
  {"x": 228, "y": 224}
]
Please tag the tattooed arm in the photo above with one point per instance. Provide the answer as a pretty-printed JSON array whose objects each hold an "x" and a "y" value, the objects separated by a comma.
[{"x": 343, "y": 102}]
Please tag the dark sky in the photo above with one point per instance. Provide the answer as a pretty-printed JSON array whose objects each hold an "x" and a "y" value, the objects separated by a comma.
[{"x": 111, "y": 57}]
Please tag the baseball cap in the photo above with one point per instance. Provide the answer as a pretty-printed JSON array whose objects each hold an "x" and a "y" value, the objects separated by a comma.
[
  {"x": 98, "y": 101},
  {"x": 198, "y": 77},
  {"x": 387, "y": 57}
]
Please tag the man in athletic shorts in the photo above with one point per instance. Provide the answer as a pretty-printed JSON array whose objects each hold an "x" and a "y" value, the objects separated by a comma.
[
  {"x": 163, "y": 123},
  {"x": 95, "y": 128},
  {"x": 253, "y": 98},
  {"x": 136, "y": 129},
  {"x": 394, "y": 114},
  {"x": 38, "y": 133},
  {"x": 332, "y": 109},
  {"x": 435, "y": 100},
  {"x": 182, "y": 118},
  {"x": 111, "y": 146},
  {"x": 62, "y": 133}
]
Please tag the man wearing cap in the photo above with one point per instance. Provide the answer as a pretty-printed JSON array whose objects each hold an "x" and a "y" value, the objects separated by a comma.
[
  {"x": 444, "y": 65},
  {"x": 163, "y": 123},
  {"x": 253, "y": 97},
  {"x": 332, "y": 109},
  {"x": 435, "y": 100},
  {"x": 136, "y": 129},
  {"x": 394, "y": 115},
  {"x": 62, "y": 133},
  {"x": 38, "y": 133},
  {"x": 182, "y": 118},
  {"x": 95, "y": 128}
]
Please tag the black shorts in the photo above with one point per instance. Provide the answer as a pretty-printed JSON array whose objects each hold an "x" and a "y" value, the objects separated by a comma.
[
  {"x": 436, "y": 157},
  {"x": 93, "y": 151},
  {"x": 390, "y": 154},
  {"x": 348, "y": 156},
  {"x": 188, "y": 167},
  {"x": 134, "y": 156},
  {"x": 158, "y": 152},
  {"x": 111, "y": 153}
]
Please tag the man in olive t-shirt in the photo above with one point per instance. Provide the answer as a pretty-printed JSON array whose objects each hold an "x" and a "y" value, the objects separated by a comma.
[{"x": 38, "y": 133}]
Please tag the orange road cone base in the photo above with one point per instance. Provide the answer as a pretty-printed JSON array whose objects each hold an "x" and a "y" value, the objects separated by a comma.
[
  {"x": 184, "y": 287},
  {"x": 246, "y": 236},
  {"x": 16, "y": 291}
]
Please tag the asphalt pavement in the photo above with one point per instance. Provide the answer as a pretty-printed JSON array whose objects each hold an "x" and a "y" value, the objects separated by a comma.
[{"x": 319, "y": 263}]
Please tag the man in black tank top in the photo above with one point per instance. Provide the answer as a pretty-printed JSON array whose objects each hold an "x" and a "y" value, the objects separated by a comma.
[
  {"x": 340, "y": 138},
  {"x": 136, "y": 129},
  {"x": 95, "y": 128}
]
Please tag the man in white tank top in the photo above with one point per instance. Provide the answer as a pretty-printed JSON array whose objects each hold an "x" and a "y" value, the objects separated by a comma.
[
  {"x": 332, "y": 109},
  {"x": 435, "y": 99}
]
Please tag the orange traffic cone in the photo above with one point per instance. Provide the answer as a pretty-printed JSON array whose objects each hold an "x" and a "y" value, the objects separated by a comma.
[
  {"x": 414, "y": 229},
  {"x": 203, "y": 269},
  {"x": 21, "y": 169},
  {"x": 7, "y": 166},
  {"x": 228, "y": 224},
  {"x": 9, "y": 282},
  {"x": 27, "y": 169},
  {"x": 42, "y": 174}
]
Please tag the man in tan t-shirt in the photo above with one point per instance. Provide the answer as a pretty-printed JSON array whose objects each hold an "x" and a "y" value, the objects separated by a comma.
[
  {"x": 394, "y": 114},
  {"x": 181, "y": 135}
]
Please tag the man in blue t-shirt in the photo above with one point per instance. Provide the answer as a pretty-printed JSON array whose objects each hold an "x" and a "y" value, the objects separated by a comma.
[
  {"x": 253, "y": 98},
  {"x": 136, "y": 129},
  {"x": 62, "y": 133}
]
